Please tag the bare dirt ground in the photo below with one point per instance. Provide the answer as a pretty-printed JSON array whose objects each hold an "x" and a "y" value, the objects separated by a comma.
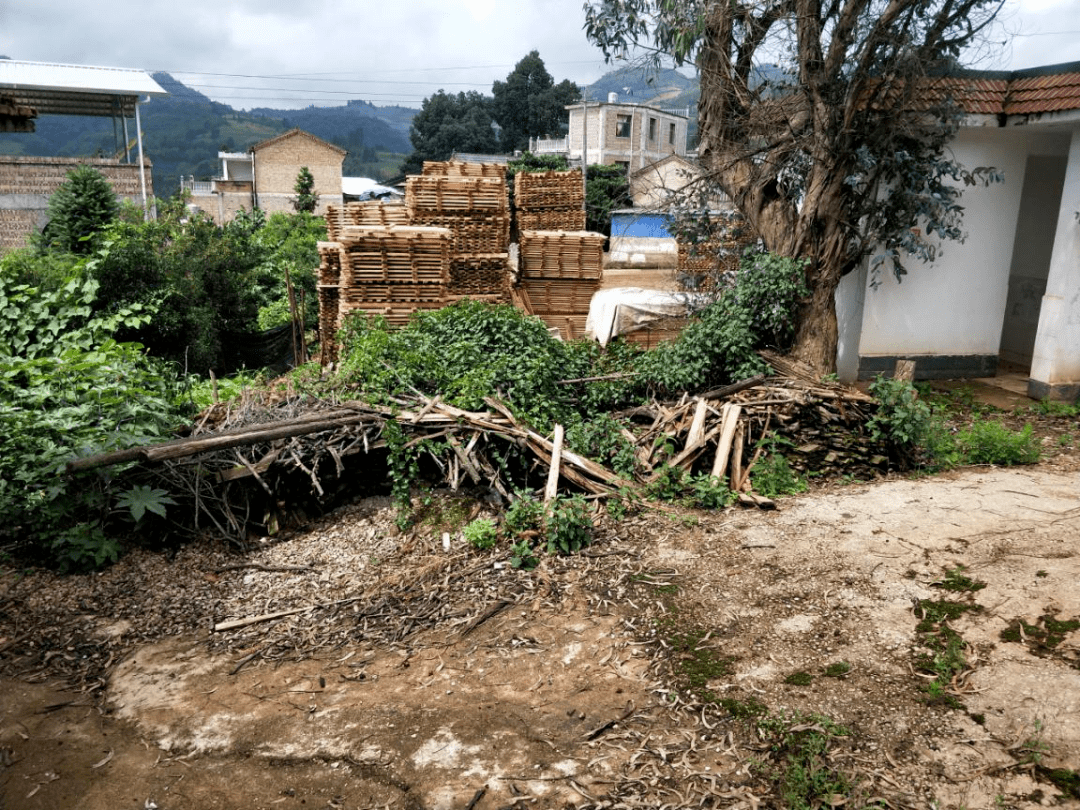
[{"x": 662, "y": 667}]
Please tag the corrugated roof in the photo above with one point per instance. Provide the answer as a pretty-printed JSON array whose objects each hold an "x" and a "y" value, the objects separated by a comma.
[{"x": 54, "y": 89}]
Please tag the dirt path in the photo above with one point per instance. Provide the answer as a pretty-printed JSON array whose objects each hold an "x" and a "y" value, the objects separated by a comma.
[{"x": 656, "y": 670}]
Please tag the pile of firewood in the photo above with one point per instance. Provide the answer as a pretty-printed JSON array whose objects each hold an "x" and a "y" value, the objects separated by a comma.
[
  {"x": 558, "y": 274},
  {"x": 819, "y": 427},
  {"x": 549, "y": 201}
]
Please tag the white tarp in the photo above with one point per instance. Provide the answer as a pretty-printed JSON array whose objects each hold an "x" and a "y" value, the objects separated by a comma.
[{"x": 620, "y": 310}]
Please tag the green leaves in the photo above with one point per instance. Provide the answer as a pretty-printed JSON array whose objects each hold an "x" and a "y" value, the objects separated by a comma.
[{"x": 142, "y": 499}]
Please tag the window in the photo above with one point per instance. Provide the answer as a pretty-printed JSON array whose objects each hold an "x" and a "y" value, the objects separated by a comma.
[
  {"x": 652, "y": 129},
  {"x": 671, "y": 134},
  {"x": 624, "y": 165},
  {"x": 622, "y": 126}
]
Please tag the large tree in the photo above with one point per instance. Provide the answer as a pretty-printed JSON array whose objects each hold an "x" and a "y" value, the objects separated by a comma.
[
  {"x": 845, "y": 157},
  {"x": 447, "y": 123},
  {"x": 529, "y": 104}
]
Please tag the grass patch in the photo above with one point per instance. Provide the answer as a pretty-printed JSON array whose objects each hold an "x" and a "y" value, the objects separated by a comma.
[
  {"x": 800, "y": 678},
  {"x": 944, "y": 658},
  {"x": 799, "y": 765},
  {"x": 956, "y": 580},
  {"x": 839, "y": 669}
]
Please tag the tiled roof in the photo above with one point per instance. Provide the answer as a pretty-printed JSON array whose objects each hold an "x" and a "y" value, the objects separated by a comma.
[
  {"x": 1024, "y": 92},
  {"x": 292, "y": 133}
]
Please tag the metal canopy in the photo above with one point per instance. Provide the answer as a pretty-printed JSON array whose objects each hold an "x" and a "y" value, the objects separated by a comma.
[
  {"x": 75, "y": 89},
  {"x": 31, "y": 89}
]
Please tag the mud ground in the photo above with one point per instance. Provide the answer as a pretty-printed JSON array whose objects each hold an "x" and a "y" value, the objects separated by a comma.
[{"x": 412, "y": 672}]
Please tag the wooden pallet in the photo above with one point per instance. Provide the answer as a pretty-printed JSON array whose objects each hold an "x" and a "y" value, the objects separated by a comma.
[
  {"x": 571, "y": 325},
  {"x": 329, "y": 270},
  {"x": 460, "y": 168},
  {"x": 552, "y": 220},
  {"x": 370, "y": 212},
  {"x": 536, "y": 191},
  {"x": 434, "y": 194},
  {"x": 559, "y": 295},
  {"x": 561, "y": 254},
  {"x": 479, "y": 275},
  {"x": 471, "y": 234}
]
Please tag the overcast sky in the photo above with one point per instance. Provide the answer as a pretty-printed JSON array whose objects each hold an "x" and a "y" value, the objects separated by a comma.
[{"x": 289, "y": 53}]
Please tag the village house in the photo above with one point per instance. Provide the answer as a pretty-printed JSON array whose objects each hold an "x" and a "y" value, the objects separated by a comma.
[
  {"x": 613, "y": 133},
  {"x": 264, "y": 177},
  {"x": 1007, "y": 299}
]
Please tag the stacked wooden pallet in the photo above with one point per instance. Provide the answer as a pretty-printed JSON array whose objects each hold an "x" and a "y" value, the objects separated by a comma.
[
  {"x": 559, "y": 272},
  {"x": 715, "y": 257},
  {"x": 370, "y": 212},
  {"x": 393, "y": 271},
  {"x": 459, "y": 168},
  {"x": 328, "y": 277},
  {"x": 549, "y": 201},
  {"x": 470, "y": 201}
]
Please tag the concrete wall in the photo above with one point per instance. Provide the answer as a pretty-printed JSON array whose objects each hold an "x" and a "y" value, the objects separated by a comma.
[
  {"x": 27, "y": 183},
  {"x": 950, "y": 313},
  {"x": 1030, "y": 264}
]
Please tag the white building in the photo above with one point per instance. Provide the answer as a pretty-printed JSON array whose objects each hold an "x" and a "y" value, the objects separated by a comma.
[{"x": 1008, "y": 297}]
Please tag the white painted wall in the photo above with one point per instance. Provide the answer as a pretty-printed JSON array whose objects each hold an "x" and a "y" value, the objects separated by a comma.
[
  {"x": 1057, "y": 343},
  {"x": 955, "y": 305}
]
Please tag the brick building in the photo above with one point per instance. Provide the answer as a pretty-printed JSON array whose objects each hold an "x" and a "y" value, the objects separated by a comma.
[{"x": 265, "y": 176}]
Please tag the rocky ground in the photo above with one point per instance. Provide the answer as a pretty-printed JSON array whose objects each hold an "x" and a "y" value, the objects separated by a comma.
[{"x": 905, "y": 643}]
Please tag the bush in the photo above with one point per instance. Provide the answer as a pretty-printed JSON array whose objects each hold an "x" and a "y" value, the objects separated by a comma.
[
  {"x": 81, "y": 208},
  {"x": 990, "y": 442},
  {"x": 481, "y": 533},
  {"x": 70, "y": 390}
]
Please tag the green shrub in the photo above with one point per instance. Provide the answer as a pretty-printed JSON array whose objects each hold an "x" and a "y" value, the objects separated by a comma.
[
  {"x": 69, "y": 389},
  {"x": 773, "y": 476},
  {"x": 901, "y": 418},
  {"x": 990, "y": 442},
  {"x": 482, "y": 533},
  {"x": 569, "y": 525}
]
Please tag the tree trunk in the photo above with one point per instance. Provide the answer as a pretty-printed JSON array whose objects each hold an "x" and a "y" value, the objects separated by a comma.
[{"x": 817, "y": 334}]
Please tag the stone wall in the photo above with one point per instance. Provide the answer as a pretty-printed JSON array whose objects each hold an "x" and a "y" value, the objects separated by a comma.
[{"x": 27, "y": 183}]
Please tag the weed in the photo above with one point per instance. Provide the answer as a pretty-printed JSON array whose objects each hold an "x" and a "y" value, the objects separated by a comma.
[
  {"x": 748, "y": 709},
  {"x": 956, "y": 580},
  {"x": 1041, "y": 574},
  {"x": 902, "y": 418},
  {"x": 1042, "y": 637},
  {"x": 482, "y": 533},
  {"x": 799, "y": 766},
  {"x": 837, "y": 670},
  {"x": 773, "y": 476},
  {"x": 1050, "y": 407},
  {"x": 1032, "y": 750},
  {"x": 1066, "y": 440},
  {"x": 945, "y": 658},
  {"x": 522, "y": 556},
  {"x": 526, "y": 514},
  {"x": 569, "y": 526},
  {"x": 800, "y": 678},
  {"x": 990, "y": 442},
  {"x": 1065, "y": 780}
]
